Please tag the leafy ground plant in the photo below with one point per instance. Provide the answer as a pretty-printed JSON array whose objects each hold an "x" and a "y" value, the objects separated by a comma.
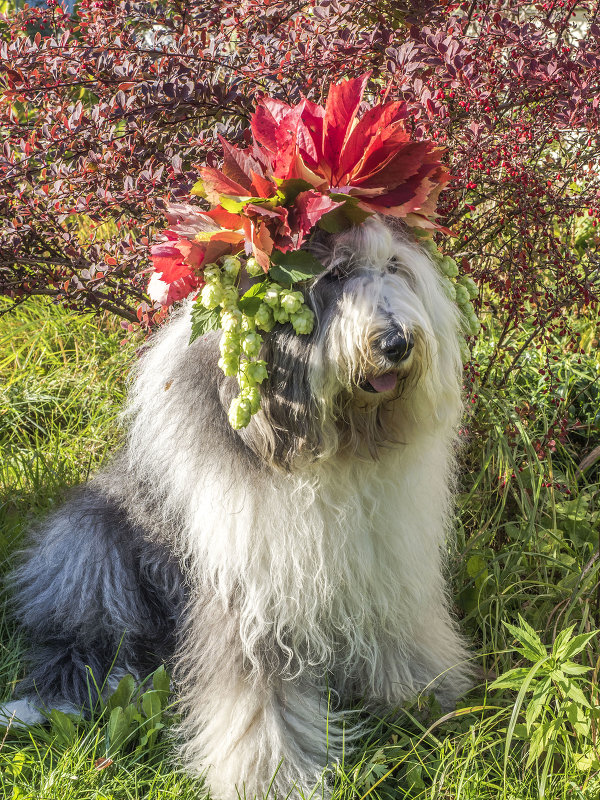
[{"x": 559, "y": 717}]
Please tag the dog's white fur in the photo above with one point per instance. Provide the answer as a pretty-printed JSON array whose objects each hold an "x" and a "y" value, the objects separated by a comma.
[{"x": 314, "y": 578}]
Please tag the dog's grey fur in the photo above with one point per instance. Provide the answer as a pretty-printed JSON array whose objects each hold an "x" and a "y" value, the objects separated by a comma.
[{"x": 285, "y": 570}]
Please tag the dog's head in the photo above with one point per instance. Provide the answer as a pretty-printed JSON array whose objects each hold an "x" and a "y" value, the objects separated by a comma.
[{"x": 381, "y": 363}]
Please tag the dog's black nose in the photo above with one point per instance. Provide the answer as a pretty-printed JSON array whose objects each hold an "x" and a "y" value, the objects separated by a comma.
[{"x": 396, "y": 345}]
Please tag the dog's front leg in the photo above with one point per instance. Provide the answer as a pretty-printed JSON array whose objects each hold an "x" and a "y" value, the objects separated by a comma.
[
  {"x": 434, "y": 661},
  {"x": 250, "y": 731},
  {"x": 266, "y": 738}
]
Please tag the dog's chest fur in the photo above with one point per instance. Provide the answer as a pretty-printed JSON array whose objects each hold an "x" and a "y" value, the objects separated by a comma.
[{"x": 327, "y": 562}]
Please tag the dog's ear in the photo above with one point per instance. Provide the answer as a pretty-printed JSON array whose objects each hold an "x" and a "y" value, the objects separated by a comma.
[{"x": 288, "y": 428}]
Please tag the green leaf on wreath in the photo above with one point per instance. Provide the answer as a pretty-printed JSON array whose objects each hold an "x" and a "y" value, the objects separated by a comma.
[
  {"x": 335, "y": 221},
  {"x": 203, "y": 320},
  {"x": 290, "y": 188},
  {"x": 343, "y": 217},
  {"x": 198, "y": 189},
  {"x": 294, "y": 266},
  {"x": 235, "y": 204},
  {"x": 251, "y": 300}
]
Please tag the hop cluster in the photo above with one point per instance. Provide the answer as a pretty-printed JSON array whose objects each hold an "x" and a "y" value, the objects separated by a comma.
[
  {"x": 283, "y": 305},
  {"x": 462, "y": 290},
  {"x": 241, "y": 342}
]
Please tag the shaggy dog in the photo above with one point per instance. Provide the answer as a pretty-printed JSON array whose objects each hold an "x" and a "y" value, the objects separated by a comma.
[{"x": 287, "y": 569}]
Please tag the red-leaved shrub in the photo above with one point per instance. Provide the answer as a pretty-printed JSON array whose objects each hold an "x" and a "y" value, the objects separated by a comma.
[{"x": 106, "y": 115}]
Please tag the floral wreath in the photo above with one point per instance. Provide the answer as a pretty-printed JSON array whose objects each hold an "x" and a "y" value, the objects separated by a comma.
[{"x": 308, "y": 167}]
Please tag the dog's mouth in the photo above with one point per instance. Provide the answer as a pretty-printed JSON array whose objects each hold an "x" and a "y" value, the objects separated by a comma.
[{"x": 377, "y": 384}]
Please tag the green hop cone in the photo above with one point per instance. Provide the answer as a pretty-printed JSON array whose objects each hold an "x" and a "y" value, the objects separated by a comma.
[
  {"x": 251, "y": 343},
  {"x": 468, "y": 309},
  {"x": 271, "y": 297},
  {"x": 462, "y": 295},
  {"x": 229, "y": 365},
  {"x": 292, "y": 301},
  {"x": 431, "y": 247},
  {"x": 448, "y": 267},
  {"x": 256, "y": 371},
  {"x": 212, "y": 274},
  {"x": 230, "y": 344},
  {"x": 231, "y": 319},
  {"x": 230, "y": 297},
  {"x": 474, "y": 325},
  {"x": 252, "y": 394},
  {"x": 264, "y": 318},
  {"x": 253, "y": 268},
  {"x": 239, "y": 412},
  {"x": 231, "y": 267},
  {"x": 244, "y": 380},
  {"x": 281, "y": 315},
  {"x": 303, "y": 320},
  {"x": 211, "y": 296},
  {"x": 448, "y": 288},
  {"x": 470, "y": 286},
  {"x": 465, "y": 352},
  {"x": 248, "y": 323}
]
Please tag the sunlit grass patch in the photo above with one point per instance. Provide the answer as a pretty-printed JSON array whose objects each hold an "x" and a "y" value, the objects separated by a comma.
[{"x": 62, "y": 383}]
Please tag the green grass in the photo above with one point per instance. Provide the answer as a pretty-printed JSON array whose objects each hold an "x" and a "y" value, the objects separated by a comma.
[
  {"x": 528, "y": 525},
  {"x": 62, "y": 381}
]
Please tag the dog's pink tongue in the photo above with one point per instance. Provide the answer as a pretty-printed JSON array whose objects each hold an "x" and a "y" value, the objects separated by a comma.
[{"x": 384, "y": 383}]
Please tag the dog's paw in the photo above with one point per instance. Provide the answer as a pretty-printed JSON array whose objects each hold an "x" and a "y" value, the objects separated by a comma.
[{"x": 19, "y": 714}]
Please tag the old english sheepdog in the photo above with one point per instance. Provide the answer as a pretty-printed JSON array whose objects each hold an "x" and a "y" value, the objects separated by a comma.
[{"x": 286, "y": 570}]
